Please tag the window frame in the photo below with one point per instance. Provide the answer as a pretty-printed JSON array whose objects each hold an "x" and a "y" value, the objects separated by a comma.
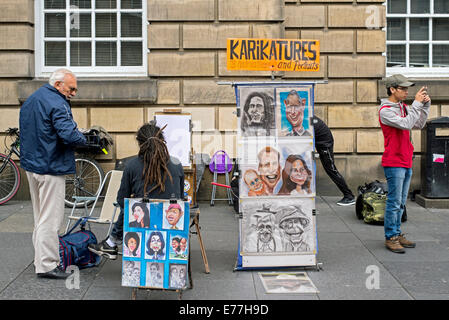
[
  {"x": 428, "y": 72},
  {"x": 89, "y": 71}
]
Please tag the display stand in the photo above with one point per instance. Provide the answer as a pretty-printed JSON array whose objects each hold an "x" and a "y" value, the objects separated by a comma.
[{"x": 277, "y": 223}]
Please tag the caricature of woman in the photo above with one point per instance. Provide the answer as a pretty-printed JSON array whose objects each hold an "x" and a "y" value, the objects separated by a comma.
[
  {"x": 132, "y": 244},
  {"x": 141, "y": 216},
  {"x": 296, "y": 176},
  {"x": 156, "y": 245}
]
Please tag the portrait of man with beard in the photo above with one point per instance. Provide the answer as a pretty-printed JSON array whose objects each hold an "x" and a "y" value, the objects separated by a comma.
[
  {"x": 258, "y": 115},
  {"x": 269, "y": 168}
]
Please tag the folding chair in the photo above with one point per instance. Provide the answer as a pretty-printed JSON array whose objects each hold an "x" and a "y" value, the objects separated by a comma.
[{"x": 109, "y": 209}]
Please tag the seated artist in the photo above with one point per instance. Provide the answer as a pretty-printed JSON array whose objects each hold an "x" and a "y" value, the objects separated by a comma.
[{"x": 152, "y": 170}]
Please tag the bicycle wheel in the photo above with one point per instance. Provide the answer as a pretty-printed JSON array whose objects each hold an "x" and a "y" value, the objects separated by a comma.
[
  {"x": 85, "y": 183},
  {"x": 9, "y": 179}
]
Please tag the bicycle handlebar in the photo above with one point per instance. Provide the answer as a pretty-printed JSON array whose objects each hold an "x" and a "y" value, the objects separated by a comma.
[{"x": 12, "y": 131}]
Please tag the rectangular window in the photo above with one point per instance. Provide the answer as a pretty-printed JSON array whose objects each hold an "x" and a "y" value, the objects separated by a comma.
[
  {"x": 91, "y": 37},
  {"x": 418, "y": 37}
]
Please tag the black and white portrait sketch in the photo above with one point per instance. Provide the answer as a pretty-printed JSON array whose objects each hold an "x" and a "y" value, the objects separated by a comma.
[
  {"x": 278, "y": 225},
  {"x": 155, "y": 275},
  {"x": 257, "y": 111},
  {"x": 131, "y": 273},
  {"x": 178, "y": 275}
]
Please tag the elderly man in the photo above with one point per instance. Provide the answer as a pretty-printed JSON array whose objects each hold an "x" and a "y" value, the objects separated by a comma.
[
  {"x": 47, "y": 137},
  {"x": 293, "y": 222}
]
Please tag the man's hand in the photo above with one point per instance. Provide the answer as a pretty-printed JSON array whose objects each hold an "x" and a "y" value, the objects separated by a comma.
[{"x": 421, "y": 95}]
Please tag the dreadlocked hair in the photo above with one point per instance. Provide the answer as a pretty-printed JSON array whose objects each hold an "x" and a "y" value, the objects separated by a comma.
[{"x": 153, "y": 150}]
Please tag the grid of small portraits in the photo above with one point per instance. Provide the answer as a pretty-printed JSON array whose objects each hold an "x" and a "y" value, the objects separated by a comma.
[{"x": 155, "y": 244}]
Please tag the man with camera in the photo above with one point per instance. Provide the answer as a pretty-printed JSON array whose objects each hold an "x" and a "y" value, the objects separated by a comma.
[{"x": 396, "y": 120}]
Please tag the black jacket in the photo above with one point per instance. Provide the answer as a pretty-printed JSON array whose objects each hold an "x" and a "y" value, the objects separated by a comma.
[{"x": 132, "y": 182}]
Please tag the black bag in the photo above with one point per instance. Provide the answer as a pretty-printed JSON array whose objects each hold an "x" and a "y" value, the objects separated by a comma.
[{"x": 370, "y": 203}]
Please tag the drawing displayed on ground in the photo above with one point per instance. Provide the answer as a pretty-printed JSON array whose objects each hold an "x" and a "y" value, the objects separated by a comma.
[
  {"x": 287, "y": 282},
  {"x": 156, "y": 255},
  {"x": 275, "y": 225}
]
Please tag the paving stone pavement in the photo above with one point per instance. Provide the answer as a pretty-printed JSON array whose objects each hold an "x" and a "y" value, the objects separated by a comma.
[{"x": 347, "y": 248}]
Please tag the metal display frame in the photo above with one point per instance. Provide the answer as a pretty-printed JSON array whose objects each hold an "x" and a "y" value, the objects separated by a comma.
[{"x": 251, "y": 261}]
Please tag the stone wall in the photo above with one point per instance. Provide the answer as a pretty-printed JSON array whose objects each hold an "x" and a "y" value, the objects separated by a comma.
[{"x": 187, "y": 42}]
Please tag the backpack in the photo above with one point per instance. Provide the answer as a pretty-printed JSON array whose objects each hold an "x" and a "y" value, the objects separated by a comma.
[
  {"x": 73, "y": 248},
  {"x": 371, "y": 202}
]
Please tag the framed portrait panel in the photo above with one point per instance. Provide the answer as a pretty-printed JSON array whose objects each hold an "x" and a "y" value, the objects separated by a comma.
[
  {"x": 150, "y": 252},
  {"x": 283, "y": 167},
  {"x": 294, "y": 108},
  {"x": 257, "y": 108},
  {"x": 280, "y": 225}
]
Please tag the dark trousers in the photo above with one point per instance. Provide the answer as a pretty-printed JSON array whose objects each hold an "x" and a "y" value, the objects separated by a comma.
[
  {"x": 117, "y": 230},
  {"x": 328, "y": 162}
]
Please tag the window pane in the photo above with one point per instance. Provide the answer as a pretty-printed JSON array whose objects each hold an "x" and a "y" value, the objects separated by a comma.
[
  {"x": 131, "y": 54},
  {"x": 131, "y": 24},
  {"x": 441, "y": 6},
  {"x": 81, "y": 4},
  {"x": 441, "y": 29},
  {"x": 397, "y": 6},
  {"x": 106, "y": 24},
  {"x": 419, "y": 29},
  {"x": 106, "y": 4},
  {"x": 80, "y": 26},
  {"x": 106, "y": 54},
  {"x": 395, "y": 55},
  {"x": 54, "y": 4},
  {"x": 440, "y": 56},
  {"x": 131, "y": 4},
  {"x": 80, "y": 54},
  {"x": 420, "y": 6},
  {"x": 55, "y": 25},
  {"x": 419, "y": 55},
  {"x": 395, "y": 29},
  {"x": 55, "y": 54}
]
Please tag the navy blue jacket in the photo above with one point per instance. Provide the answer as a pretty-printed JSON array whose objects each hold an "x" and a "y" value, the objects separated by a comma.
[{"x": 48, "y": 133}]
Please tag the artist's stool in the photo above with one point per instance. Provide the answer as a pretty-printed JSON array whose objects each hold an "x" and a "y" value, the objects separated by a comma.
[{"x": 220, "y": 163}]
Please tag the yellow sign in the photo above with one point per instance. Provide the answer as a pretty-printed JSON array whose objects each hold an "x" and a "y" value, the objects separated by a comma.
[{"x": 273, "y": 54}]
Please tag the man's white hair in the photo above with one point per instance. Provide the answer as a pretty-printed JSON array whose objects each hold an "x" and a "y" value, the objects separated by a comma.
[{"x": 59, "y": 75}]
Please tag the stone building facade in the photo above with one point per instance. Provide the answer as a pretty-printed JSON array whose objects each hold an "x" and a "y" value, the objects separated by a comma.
[{"x": 187, "y": 56}]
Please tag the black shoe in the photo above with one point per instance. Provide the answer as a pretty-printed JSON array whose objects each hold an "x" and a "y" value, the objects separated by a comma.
[
  {"x": 346, "y": 201},
  {"x": 104, "y": 250},
  {"x": 56, "y": 273}
]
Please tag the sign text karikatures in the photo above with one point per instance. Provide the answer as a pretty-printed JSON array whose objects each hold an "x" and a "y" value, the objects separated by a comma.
[{"x": 273, "y": 54}]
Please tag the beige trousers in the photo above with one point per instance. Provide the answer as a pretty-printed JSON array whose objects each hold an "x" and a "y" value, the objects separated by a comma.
[{"x": 47, "y": 197}]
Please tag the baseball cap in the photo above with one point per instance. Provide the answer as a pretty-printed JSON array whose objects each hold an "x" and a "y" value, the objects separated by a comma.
[
  {"x": 398, "y": 80},
  {"x": 174, "y": 206}
]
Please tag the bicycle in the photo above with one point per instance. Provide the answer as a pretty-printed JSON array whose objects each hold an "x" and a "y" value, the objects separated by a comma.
[{"x": 85, "y": 182}]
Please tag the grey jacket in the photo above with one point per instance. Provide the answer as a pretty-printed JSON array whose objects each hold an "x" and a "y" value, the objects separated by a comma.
[{"x": 414, "y": 118}]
